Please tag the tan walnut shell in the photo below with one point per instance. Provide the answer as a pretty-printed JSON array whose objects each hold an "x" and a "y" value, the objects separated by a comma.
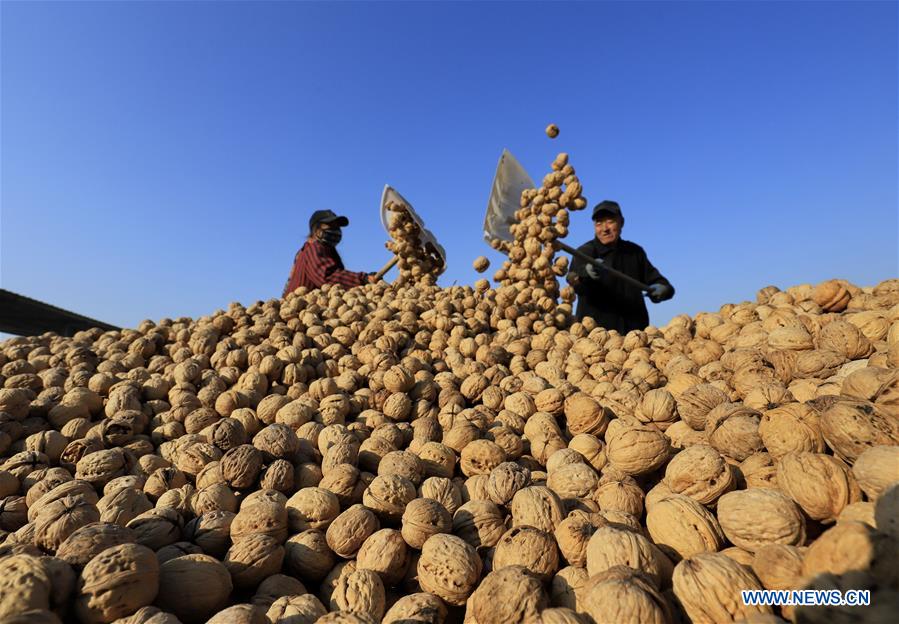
[
  {"x": 117, "y": 582},
  {"x": 449, "y": 568},
  {"x": 852, "y": 426},
  {"x": 574, "y": 533},
  {"x": 388, "y": 495},
  {"x": 240, "y": 614},
  {"x": 508, "y": 594},
  {"x": 360, "y": 592},
  {"x": 423, "y": 518},
  {"x": 443, "y": 490},
  {"x": 420, "y": 607},
  {"x": 567, "y": 586},
  {"x": 294, "y": 609},
  {"x": 386, "y": 553},
  {"x": 695, "y": 403},
  {"x": 701, "y": 473},
  {"x": 778, "y": 566},
  {"x": 638, "y": 450},
  {"x": 529, "y": 547},
  {"x": 275, "y": 587},
  {"x": 820, "y": 484},
  {"x": 681, "y": 527},
  {"x": 831, "y": 295},
  {"x": 308, "y": 557},
  {"x": 90, "y": 540},
  {"x": 733, "y": 430},
  {"x": 208, "y": 579},
  {"x": 791, "y": 427},
  {"x": 349, "y": 530},
  {"x": 537, "y": 506},
  {"x": 851, "y": 546},
  {"x": 846, "y": 339},
  {"x": 759, "y": 471},
  {"x": 480, "y": 523},
  {"x": 585, "y": 414},
  {"x": 505, "y": 480},
  {"x": 619, "y": 492},
  {"x": 753, "y": 518},
  {"x": 622, "y": 594},
  {"x": 60, "y": 518},
  {"x": 876, "y": 468},
  {"x": 611, "y": 546},
  {"x": 708, "y": 588},
  {"x": 253, "y": 559},
  {"x": 25, "y": 585}
]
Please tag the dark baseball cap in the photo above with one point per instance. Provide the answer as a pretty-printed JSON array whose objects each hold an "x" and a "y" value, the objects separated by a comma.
[
  {"x": 607, "y": 207},
  {"x": 327, "y": 216}
]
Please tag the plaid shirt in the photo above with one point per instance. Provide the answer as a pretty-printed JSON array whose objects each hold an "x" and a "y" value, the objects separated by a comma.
[{"x": 317, "y": 264}]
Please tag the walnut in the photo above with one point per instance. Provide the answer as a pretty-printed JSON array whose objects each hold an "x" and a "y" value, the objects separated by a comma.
[
  {"x": 681, "y": 527},
  {"x": 529, "y": 547},
  {"x": 421, "y": 607},
  {"x": 208, "y": 579},
  {"x": 508, "y": 594},
  {"x": 442, "y": 490},
  {"x": 85, "y": 543},
  {"x": 449, "y": 568},
  {"x": 349, "y": 530},
  {"x": 388, "y": 496},
  {"x": 117, "y": 582},
  {"x": 308, "y": 556},
  {"x": 361, "y": 592},
  {"x": 211, "y": 531},
  {"x": 422, "y": 518},
  {"x": 752, "y": 518},
  {"x": 304, "y": 609},
  {"x": 312, "y": 508},
  {"x": 610, "y": 546},
  {"x": 537, "y": 506},
  {"x": 252, "y": 559},
  {"x": 706, "y": 586}
]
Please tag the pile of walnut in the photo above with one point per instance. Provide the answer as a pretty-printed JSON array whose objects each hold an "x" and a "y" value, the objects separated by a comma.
[
  {"x": 419, "y": 263},
  {"x": 388, "y": 455},
  {"x": 532, "y": 264}
]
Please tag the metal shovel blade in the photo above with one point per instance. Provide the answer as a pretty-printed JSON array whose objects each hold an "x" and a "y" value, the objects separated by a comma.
[
  {"x": 505, "y": 196},
  {"x": 427, "y": 238}
]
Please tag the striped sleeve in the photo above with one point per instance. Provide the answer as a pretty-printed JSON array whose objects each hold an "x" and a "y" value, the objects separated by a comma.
[{"x": 323, "y": 266}]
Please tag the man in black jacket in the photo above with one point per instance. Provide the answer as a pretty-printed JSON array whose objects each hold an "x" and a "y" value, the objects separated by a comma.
[{"x": 612, "y": 302}]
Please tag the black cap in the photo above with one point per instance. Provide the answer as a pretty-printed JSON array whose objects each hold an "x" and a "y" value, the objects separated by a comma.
[
  {"x": 326, "y": 216},
  {"x": 607, "y": 206}
]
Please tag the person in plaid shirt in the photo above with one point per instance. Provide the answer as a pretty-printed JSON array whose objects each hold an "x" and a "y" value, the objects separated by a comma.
[{"x": 318, "y": 262}]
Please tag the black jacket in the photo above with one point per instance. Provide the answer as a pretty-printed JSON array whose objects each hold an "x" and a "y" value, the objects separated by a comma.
[{"x": 612, "y": 302}]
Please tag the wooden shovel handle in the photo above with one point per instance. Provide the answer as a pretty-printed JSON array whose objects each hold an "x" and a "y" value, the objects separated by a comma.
[
  {"x": 599, "y": 264},
  {"x": 386, "y": 267}
]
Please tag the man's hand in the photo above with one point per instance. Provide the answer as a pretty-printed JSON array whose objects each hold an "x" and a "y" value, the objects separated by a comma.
[
  {"x": 592, "y": 271},
  {"x": 659, "y": 292},
  {"x": 373, "y": 278}
]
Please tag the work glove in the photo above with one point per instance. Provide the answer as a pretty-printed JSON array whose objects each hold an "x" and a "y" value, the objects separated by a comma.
[
  {"x": 592, "y": 271},
  {"x": 659, "y": 292}
]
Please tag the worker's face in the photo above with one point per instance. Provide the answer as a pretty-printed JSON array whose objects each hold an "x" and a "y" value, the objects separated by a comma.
[
  {"x": 608, "y": 228},
  {"x": 328, "y": 233}
]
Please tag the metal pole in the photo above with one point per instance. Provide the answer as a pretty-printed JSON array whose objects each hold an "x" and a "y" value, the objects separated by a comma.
[{"x": 599, "y": 264}]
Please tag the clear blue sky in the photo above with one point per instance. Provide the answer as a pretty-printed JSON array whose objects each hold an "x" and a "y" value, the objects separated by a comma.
[{"x": 162, "y": 159}]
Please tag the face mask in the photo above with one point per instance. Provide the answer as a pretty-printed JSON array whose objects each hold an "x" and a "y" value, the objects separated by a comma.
[{"x": 330, "y": 237}]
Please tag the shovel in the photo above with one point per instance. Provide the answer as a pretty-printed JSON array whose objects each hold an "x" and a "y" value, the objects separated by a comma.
[
  {"x": 390, "y": 264},
  {"x": 427, "y": 239},
  {"x": 505, "y": 196}
]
